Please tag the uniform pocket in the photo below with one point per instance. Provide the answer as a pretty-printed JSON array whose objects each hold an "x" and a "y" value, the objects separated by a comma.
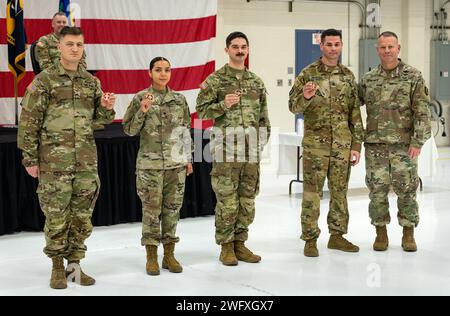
[
  {"x": 63, "y": 93},
  {"x": 392, "y": 115},
  {"x": 54, "y": 192},
  {"x": 182, "y": 176},
  {"x": 258, "y": 181},
  {"x": 221, "y": 179},
  {"x": 96, "y": 191},
  {"x": 309, "y": 174},
  {"x": 222, "y": 186},
  {"x": 372, "y": 124}
]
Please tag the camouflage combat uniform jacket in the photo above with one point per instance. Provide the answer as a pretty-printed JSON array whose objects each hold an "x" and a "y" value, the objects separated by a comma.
[
  {"x": 332, "y": 117},
  {"x": 165, "y": 139},
  {"x": 250, "y": 112},
  {"x": 58, "y": 112},
  {"x": 397, "y": 106}
]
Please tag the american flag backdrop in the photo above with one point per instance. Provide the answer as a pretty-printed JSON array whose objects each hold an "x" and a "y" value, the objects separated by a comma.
[{"x": 122, "y": 36}]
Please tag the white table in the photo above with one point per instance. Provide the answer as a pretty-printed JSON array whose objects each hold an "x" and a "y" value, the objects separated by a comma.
[
  {"x": 289, "y": 142},
  {"x": 289, "y": 156}
]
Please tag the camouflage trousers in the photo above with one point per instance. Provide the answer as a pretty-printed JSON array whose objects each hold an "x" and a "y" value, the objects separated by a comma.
[
  {"x": 161, "y": 193},
  {"x": 67, "y": 200},
  {"x": 390, "y": 166},
  {"x": 319, "y": 164},
  {"x": 236, "y": 185}
]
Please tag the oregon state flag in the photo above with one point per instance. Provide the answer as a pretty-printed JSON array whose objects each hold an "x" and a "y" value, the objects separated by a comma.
[
  {"x": 64, "y": 6},
  {"x": 16, "y": 38}
]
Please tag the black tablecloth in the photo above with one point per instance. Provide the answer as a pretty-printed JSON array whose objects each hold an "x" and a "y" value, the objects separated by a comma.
[{"x": 118, "y": 201}]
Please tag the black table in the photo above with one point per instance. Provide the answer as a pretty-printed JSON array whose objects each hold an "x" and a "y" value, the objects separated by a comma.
[{"x": 118, "y": 201}]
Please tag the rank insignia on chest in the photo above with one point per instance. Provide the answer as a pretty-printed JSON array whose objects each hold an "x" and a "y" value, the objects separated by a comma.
[
  {"x": 150, "y": 97},
  {"x": 240, "y": 92}
]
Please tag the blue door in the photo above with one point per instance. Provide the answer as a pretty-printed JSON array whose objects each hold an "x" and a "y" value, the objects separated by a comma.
[
  {"x": 307, "y": 51},
  {"x": 307, "y": 48}
]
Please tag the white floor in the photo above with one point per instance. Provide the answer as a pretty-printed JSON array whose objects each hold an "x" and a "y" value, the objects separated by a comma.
[{"x": 117, "y": 260}]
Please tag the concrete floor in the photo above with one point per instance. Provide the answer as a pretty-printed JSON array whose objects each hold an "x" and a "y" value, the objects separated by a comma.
[{"x": 116, "y": 259}]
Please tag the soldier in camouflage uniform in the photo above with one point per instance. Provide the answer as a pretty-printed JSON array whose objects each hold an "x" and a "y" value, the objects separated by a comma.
[
  {"x": 56, "y": 138},
  {"x": 326, "y": 94},
  {"x": 47, "y": 52},
  {"x": 161, "y": 117},
  {"x": 236, "y": 99},
  {"x": 398, "y": 125}
]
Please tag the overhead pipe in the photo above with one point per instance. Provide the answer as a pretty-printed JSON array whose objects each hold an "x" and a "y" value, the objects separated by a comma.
[
  {"x": 357, "y": 3},
  {"x": 439, "y": 26},
  {"x": 374, "y": 32},
  {"x": 444, "y": 21},
  {"x": 348, "y": 29},
  {"x": 291, "y": 3},
  {"x": 433, "y": 26},
  {"x": 441, "y": 36},
  {"x": 443, "y": 16},
  {"x": 435, "y": 23}
]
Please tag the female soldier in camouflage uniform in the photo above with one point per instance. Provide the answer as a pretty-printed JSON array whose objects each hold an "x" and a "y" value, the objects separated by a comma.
[{"x": 161, "y": 117}]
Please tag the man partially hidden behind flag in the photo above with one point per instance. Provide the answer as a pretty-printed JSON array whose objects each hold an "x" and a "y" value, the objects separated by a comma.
[
  {"x": 47, "y": 52},
  {"x": 16, "y": 43},
  {"x": 64, "y": 6}
]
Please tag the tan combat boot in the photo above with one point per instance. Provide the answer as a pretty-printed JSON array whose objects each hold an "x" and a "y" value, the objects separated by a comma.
[
  {"x": 242, "y": 253},
  {"x": 408, "y": 242},
  {"x": 337, "y": 242},
  {"x": 152, "y": 265},
  {"x": 227, "y": 255},
  {"x": 382, "y": 241},
  {"x": 169, "y": 261},
  {"x": 83, "y": 279},
  {"x": 311, "y": 249},
  {"x": 58, "y": 279}
]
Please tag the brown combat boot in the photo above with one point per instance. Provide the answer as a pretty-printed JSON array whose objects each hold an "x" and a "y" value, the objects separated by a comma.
[
  {"x": 382, "y": 241},
  {"x": 169, "y": 261},
  {"x": 242, "y": 253},
  {"x": 227, "y": 255},
  {"x": 58, "y": 279},
  {"x": 337, "y": 242},
  {"x": 73, "y": 267},
  {"x": 152, "y": 266},
  {"x": 311, "y": 249},
  {"x": 408, "y": 242}
]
